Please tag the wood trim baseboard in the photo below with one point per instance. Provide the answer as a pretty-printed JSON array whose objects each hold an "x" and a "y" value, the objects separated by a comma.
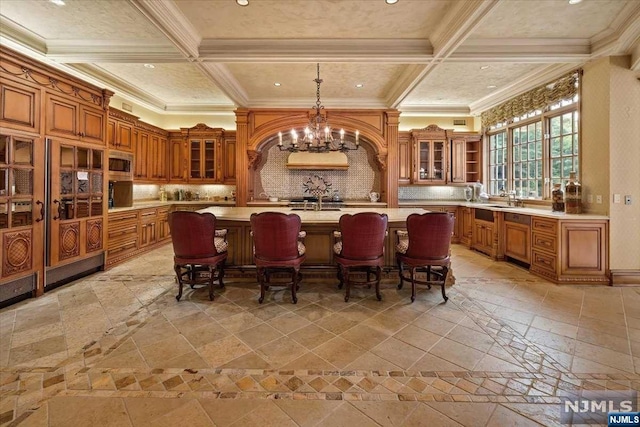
[{"x": 625, "y": 277}]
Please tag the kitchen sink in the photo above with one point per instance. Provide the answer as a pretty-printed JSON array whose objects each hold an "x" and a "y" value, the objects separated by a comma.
[{"x": 499, "y": 206}]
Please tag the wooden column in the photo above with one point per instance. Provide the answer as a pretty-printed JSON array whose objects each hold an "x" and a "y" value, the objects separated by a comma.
[
  {"x": 242, "y": 164},
  {"x": 391, "y": 174}
]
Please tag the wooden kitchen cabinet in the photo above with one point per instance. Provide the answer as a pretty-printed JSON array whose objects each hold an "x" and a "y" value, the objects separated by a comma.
[
  {"x": 229, "y": 158},
  {"x": 121, "y": 130},
  {"x": 151, "y": 153},
  {"x": 482, "y": 239},
  {"x": 122, "y": 242},
  {"x": 404, "y": 158},
  {"x": 437, "y": 156},
  {"x": 72, "y": 119},
  {"x": 465, "y": 225},
  {"x": 177, "y": 158},
  {"x": 204, "y": 151},
  {"x": 163, "y": 229},
  {"x": 517, "y": 236},
  {"x": 19, "y": 105},
  {"x": 148, "y": 219}
]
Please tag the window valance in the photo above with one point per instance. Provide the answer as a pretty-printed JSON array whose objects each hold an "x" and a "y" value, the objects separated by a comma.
[{"x": 539, "y": 98}]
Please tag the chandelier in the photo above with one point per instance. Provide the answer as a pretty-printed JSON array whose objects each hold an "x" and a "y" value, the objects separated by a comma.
[{"x": 318, "y": 136}]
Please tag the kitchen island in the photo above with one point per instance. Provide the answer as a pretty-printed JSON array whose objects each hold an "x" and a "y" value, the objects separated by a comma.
[{"x": 319, "y": 226}]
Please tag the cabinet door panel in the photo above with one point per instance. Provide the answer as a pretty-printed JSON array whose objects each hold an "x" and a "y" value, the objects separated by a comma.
[
  {"x": 92, "y": 125},
  {"x": 62, "y": 117},
  {"x": 125, "y": 136},
  {"x": 19, "y": 107}
]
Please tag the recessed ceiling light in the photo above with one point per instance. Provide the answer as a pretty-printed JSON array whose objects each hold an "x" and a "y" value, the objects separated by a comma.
[
  {"x": 391, "y": 1},
  {"x": 242, "y": 2},
  {"x": 359, "y": 85},
  {"x": 574, "y": 1},
  {"x": 149, "y": 66},
  {"x": 277, "y": 84},
  {"x": 492, "y": 87},
  {"x": 57, "y": 2},
  {"x": 485, "y": 67}
]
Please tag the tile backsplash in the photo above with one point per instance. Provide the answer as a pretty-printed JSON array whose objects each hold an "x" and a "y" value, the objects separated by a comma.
[
  {"x": 355, "y": 183},
  {"x": 423, "y": 192},
  {"x": 151, "y": 191}
]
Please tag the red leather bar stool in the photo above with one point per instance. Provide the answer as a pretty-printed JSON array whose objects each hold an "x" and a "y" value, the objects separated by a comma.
[
  {"x": 425, "y": 248},
  {"x": 198, "y": 247}
]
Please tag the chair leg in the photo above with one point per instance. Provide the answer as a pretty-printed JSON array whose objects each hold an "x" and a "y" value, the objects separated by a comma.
[
  {"x": 378, "y": 277},
  {"x": 221, "y": 273},
  {"x": 428, "y": 276},
  {"x": 212, "y": 278},
  {"x": 369, "y": 278},
  {"x": 445, "y": 270},
  {"x": 413, "y": 284},
  {"x": 345, "y": 273},
  {"x": 294, "y": 285},
  {"x": 192, "y": 275},
  {"x": 178, "y": 270},
  {"x": 400, "y": 274},
  {"x": 340, "y": 276},
  {"x": 261, "y": 273}
]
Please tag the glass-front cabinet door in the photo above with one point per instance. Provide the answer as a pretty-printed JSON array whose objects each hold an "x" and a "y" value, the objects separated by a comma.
[
  {"x": 77, "y": 198},
  {"x": 431, "y": 165},
  {"x": 21, "y": 205},
  {"x": 202, "y": 166}
]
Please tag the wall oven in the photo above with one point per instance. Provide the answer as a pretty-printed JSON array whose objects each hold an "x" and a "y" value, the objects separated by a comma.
[{"x": 120, "y": 166}]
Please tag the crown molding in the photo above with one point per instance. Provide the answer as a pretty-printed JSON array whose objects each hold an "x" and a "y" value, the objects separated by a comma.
[
  {"x": 522, "y": 50},
  {"x": 332, "y": 103},
  {"x": 224, "y": 79},
  {"x": 525, "y": 83},
  {"x": 435, "y": 110},
  {"x": 28, "y": 41},
  {"x": 621, "y": 35},
  {"x": 313, "y": 50},
  {"x": 169, "y": 19},
  {"x": 112, "y": 51},
  {"x": 458, "y": 23},
  {"x": 212, "y": 109},
  {"x": 405, "y": 83},
  {"x": 121, "y": 87}
]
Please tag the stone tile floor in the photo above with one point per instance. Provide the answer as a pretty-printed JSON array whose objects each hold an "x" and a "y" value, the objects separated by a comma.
[{"x": 117, "y": 349}]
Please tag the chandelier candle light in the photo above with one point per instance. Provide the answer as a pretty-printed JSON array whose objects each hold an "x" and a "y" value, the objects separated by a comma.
[{"x": 318, "y": 135}]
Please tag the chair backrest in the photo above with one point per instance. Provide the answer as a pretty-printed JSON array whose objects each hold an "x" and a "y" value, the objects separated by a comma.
[
  {"x": 192, "y": 234},
  {"x": 429, "y": 235},
  {"x": 363, "y": 235},
  {"x": 275, "y": 235}
]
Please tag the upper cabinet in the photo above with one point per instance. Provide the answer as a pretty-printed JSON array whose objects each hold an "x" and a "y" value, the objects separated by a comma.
[
  {"x": 151, "y": 151},
  {"x": 229, "y": 157},
  {"x": 120, "y": 130},
  {"x": 72, "y": 119},
  {"x": 204, "y": 151},
  {"x": 435, "y": 156}
]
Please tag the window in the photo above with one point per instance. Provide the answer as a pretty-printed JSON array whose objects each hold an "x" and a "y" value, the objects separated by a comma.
[{"x": 530, "y": 153}]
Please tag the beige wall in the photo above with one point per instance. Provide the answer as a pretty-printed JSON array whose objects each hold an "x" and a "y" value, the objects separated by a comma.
[
  {"x": 624, "y": 164},
  {"x": 611, "y": 153}
]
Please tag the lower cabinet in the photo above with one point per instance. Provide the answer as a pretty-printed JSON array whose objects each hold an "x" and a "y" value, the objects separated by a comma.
[
  {"x": 136, "y": 231},
  {"x": 465, "y": 225},
  {"x": 482, "y": 239},
  {"x": 517, "y": 237}
]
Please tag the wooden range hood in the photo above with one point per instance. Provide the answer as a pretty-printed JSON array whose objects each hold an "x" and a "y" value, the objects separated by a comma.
[{"x": 333, "y": 160}]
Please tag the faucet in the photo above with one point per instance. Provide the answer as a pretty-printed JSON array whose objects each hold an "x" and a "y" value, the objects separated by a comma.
[
  {"x": 318, "y": 206},
  {"x": 511, "y": 197}
]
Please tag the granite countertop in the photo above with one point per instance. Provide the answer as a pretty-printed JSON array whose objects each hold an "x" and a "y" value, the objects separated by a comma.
[
  {"x": 541, "y": 212},
  {"x": 285, "y": 202},
  {"x": 157, "y": 204},
  {"x": 319, "y": 217}
]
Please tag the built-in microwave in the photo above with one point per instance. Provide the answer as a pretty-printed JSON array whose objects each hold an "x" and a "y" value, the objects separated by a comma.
[{"x": 120, "y": 166}]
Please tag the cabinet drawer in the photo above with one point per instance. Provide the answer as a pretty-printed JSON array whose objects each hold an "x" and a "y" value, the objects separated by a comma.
[
  {"x": 148, "y": 214},
  {"x": 122, "y": 230},
  {"x": 114, "y": 219},
  {"x": 544, "y": 225},
  {"x": 122, "y": 247},
  {"x": 545, "y": 242},
  {"x": 544, "y": 260}
]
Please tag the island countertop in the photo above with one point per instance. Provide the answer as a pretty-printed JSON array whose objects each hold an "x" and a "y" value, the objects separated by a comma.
[{"x": 309, "y": 216}]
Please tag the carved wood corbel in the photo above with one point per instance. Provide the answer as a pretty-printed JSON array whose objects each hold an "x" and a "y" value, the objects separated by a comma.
[
  {"x": 254, "y": 158},
  {"x": 381, "y": 161}
]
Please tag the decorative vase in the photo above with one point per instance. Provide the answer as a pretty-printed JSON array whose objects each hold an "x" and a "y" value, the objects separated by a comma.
[
  {"x": 573, "y": 195},
  {"x": 557, "y": 199}
]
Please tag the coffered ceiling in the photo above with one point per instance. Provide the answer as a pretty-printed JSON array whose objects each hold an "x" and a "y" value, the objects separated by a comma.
[{"x": 434, "y": 57}]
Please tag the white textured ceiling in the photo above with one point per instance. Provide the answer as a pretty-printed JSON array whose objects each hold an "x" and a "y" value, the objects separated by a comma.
[{"x": 420, "y": 56}]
